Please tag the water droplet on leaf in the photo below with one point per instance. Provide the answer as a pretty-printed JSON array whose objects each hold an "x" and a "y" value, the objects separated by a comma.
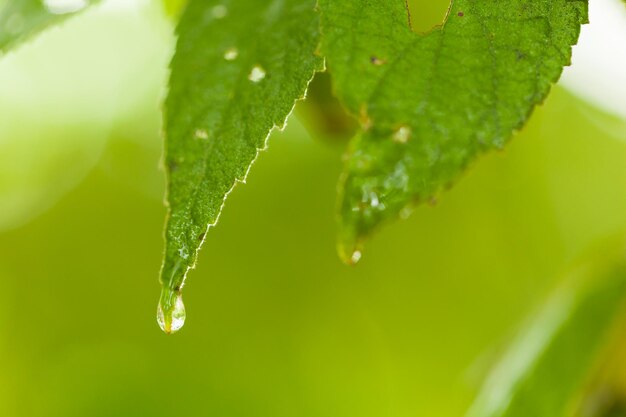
[
  {"x": 231, "y": 54},
  {"x": 349, "y": 247},
  {"x": 171, "y": 311},
  {"x": 402, "y": 135},
  {"x": 201, "y": 134},
  {"x": 257, "y": 74},
  {"x": 356, "y": 257},
  {"x": 64, "y": 6},
  {"x": 219, "y": 12},
  {"x": 374, "y": 202}
]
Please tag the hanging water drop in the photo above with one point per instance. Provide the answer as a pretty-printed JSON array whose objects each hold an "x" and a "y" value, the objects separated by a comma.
[
  {"x": 356, "y": 257},
  {"x": 349, "y": 248},
  {"x": 171, "y": 311}
]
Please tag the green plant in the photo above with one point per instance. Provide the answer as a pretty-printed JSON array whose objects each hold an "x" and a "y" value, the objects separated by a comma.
[
  {"x": 240, "y": 67},
  {"x": 484, "y": 70}
]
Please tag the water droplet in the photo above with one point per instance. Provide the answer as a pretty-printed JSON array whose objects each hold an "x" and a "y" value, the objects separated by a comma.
[
  {"x": 171, "y": 311},
  {"x": 64, "y": 6},
  {"x": 231, "y": 54},
  {"x": 257, "y": 74},
  {"x": 374, "y": 202},
  {"x": 349, "y": 250},
  {"x": 219, "y": 12},
  {"x": 201, "y": 134},
  {"x": 402, "y": 135}
]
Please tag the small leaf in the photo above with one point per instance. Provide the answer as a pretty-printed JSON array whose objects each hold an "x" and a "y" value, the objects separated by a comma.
[
  {"x": 429, "y": 104},
  {"x": 21, "y": 19},
  {"x": 239, "y": 67},
  {"x": 546, "y": 368}
]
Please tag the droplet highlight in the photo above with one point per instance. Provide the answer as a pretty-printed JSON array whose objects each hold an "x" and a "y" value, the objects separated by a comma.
[
  {"x": 374, "y": 201},
  {"x": 171, "y": 313},
  {"x": 219, "y": 12},
  {"x": 65, "y": 6},
  {"x": 402, "y": 135},
  {"x": 257, "y": 74},
  {"x": 231, "y": 54},
  {"x": 356, "y": 257},
  {"x": 349, "y": 248},
  {"x": 201, "y": 134}
]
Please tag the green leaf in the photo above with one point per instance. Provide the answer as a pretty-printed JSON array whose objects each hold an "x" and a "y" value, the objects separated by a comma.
[
  {"x": 21, "y": 19},
  {"x": 546, "y": 368},
  {"x": 429, "y": 104},
  {"x": 173, "y": 8},
  {"x": 239, "y": 67}
]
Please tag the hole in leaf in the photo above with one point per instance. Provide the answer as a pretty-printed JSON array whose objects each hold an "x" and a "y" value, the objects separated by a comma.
[
  {"x": 426, "y": 14},
  {"x": 322, "y": 113}
]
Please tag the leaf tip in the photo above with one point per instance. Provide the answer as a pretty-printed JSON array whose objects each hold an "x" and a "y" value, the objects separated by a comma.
[{"x": 350, "y": 248}]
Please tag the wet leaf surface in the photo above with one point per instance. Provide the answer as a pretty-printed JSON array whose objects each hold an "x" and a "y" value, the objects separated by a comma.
[
  {"x": 430, "y": 104},
  {"x": 238, "y": 70}
]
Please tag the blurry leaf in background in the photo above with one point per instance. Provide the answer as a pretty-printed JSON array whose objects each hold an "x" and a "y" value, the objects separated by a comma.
[
  {"x": 610, "y": 123},
  {"x": 238, "y": 69},
  {"x": 63, "y": 95},
  {"x": 480, "y": 76},
  {"x": 174, "y": 8},
  {"x": 323, "y": 114},
  {"x": 280, "y": 328},
  {"x": 546, "y": 368},
  {"x": 604, "y": 394},
  {"x": 597, "y": 71},
  {"x": 21, "y": 19}
]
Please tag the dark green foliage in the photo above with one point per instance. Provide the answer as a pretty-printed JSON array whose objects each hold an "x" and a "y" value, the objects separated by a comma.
[
  {"x": 430, "y": 104},
  {"x": 239, "y": 67}
]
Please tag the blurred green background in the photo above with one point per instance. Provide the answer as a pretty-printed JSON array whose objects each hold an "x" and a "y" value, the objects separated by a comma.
[{"x": 276, "y": 325}]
